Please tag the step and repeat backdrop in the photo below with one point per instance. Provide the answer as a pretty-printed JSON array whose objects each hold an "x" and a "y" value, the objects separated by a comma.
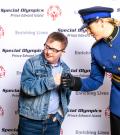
[{"x": 24, "y": 27}]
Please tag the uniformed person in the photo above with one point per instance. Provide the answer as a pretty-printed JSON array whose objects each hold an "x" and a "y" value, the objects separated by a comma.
[{"x": 105, "y": 55}]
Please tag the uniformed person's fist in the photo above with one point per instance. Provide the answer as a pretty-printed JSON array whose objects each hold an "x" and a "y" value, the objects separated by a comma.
[{"x": 68, "y": 80}]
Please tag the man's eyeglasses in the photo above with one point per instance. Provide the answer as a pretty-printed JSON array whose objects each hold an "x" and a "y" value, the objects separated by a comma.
[{"x": 53, "y": 49}]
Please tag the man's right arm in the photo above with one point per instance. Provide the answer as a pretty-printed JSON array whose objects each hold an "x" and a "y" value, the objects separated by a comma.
[{"x": 34, "y": 83}]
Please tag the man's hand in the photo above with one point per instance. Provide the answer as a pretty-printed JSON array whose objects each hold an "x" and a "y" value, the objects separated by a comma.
[{"x": 68, "y": 80}]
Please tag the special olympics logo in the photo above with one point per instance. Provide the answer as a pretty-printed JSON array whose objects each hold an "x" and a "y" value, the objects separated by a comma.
[
  {"x": 61, "y": 131},
  {"x": 54, "y": 12},
  {"x": 1, "y": 111},
  {"x": 108, "y": 75},
  {"x": 107, "y": 112},
  {"x": 2, "y": 71},
  {"x": 1, "y": 32}
]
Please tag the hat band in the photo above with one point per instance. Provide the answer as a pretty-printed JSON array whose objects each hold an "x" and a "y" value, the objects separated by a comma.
[{"x": 96, "y": 16}]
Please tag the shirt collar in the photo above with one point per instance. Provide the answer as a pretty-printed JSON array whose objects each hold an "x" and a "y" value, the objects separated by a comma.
[
  {"x": 112, "y": 36},
  {"x": 57, "y": 64}
]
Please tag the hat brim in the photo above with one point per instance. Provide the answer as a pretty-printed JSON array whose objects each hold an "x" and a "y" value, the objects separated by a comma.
[{"x": 83, "y": 26}]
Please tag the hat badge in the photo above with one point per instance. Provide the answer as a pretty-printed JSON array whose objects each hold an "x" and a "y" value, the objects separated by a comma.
[{"x": 97, "y": 17}]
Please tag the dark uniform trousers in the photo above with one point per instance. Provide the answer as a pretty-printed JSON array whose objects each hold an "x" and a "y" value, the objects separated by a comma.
[{"x": 115, "y": 124}]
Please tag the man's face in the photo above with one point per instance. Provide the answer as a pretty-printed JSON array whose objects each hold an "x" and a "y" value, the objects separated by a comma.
[{"x": 53, "y": 51}]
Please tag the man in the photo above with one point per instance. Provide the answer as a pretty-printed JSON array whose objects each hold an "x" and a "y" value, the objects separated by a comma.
[
  {"x": 105, "y": 55},
  {"x": 43, "y": 100}
]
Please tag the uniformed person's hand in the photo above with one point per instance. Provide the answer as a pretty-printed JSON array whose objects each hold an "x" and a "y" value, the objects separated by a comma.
[{"x": 68, "y": 80}]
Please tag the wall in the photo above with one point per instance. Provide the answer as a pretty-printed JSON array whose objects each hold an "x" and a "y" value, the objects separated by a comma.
[{"x": 24, "y": 26}]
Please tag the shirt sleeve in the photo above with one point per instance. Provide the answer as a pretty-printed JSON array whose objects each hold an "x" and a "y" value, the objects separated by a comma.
[{"x": 95, "y": 80}]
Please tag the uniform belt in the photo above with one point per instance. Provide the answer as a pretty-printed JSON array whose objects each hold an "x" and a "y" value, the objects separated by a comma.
[
  {"x": 52, "y": 117},
  {"x": 116, "y": 78}
]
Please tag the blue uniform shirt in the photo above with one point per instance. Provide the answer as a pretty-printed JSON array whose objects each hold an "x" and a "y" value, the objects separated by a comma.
[{"x": 105, "y": 56}]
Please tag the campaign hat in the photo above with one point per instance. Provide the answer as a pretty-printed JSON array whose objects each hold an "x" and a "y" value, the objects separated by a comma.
[{"x": 91, "y": 14}]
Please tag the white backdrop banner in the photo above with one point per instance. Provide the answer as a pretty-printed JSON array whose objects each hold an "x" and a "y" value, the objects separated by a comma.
[{"x": 24, "y": 27}]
